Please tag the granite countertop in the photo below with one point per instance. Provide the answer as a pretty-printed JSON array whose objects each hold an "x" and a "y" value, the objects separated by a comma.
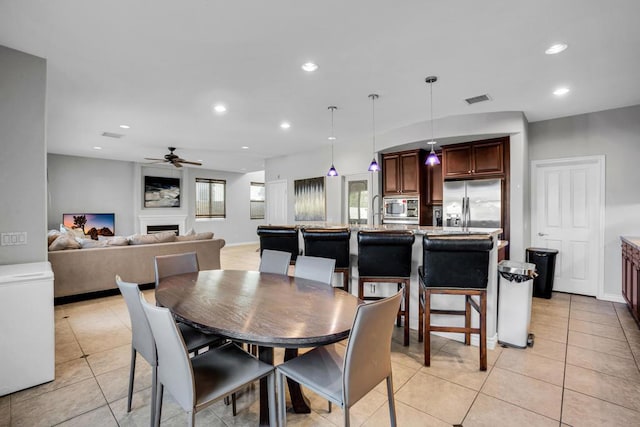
[
  {"x": 633, "y": 241},
  {"x": 416, "y": 229}
]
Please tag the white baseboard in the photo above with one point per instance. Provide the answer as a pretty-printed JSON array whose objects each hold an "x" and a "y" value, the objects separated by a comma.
[
  {"x": 613, "y": 298},
  {"x": 241, "y": 243}
]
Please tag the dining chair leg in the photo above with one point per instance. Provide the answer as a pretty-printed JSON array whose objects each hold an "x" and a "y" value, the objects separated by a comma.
[
  {"x": 392, "y": 403},
  {"x": 271, "y": 384},
  {"x": 132, "y": 371},
  {"x": 154, "y": 391},
  {"x": 282, "y": 405},
  {"x": 345, "y": 411},
  {"x": 156, "y": 419},
  {"x": 329, "y": 406},
  {"x": 234, "y": 408},
  {"x": 427, "y": 327},
  {"x": 191, "y": 420}
]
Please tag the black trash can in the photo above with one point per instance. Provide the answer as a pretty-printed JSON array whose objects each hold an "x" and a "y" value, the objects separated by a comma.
[{"x": 545, "y": 261}]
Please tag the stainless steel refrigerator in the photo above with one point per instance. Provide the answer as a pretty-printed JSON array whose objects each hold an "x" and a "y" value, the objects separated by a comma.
[{"x": 472, "y": 203}]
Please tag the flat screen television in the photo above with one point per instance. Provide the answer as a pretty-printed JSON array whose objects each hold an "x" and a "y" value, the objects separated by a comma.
[{"x": 94, "y": 225}]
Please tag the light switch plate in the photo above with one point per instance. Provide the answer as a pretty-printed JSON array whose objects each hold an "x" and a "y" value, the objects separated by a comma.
[{"x": 13, "y": 239}]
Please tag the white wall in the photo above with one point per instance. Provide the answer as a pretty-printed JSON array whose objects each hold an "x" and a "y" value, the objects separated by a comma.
[
  {"x": 88, "y": 185},
  {"x": 354, "y": 157},
  {"x": 616, "y": 135},
  {"x": 23, "y": 159}
]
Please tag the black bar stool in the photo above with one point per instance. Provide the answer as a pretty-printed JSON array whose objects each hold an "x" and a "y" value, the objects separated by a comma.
[
  {"x": 454, "y": 265},
  {"x": 280, "y": 238},
  {"x": 330, "y": 243},
  {"x": 385, "y": 257}
]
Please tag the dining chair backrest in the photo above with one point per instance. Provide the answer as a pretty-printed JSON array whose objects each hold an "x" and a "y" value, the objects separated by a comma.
[
  {"x": 174, "y": 368},
  {"x": 369, "y": 346},
  {"x": 141, "y": 335},
  {"x": 315, "y": 268},
  {"x": 272, "y": 261},
  {"x": 170, "y": 265}
]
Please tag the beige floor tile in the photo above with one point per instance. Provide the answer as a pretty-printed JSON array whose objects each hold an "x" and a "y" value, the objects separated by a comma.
[
  {"x": 58, "y": 405},
  {"x": 63, "y": 331},
  {"x": 66, "y": 374},
  {"x": 633, "y": 336},
  {"x": 115, "y": 384},
  {"x": 470, "y": 352},
  {"x": 611, "y": 365},
  {"x": 461, "y": 371},
  {"x": 582, "y": 410},
  {"x": 5, "y": 410},
  {"x": 141, "y": 409},
  {"x": 606, "y": 387},
  {"x": 67, "y": 351},
  {"x": 400, "y": 375},
  {"x": 591, "y": 328},
  {"x": 96, "y": 342},
  {"x": 550, "y": 320},
  {"x": 582, "y": 299},
  {"x": 550, "y": 310},
  {"x": 628, "y": 323},
  {"x": 538, "y": 367},
  {"x": 487, "y": 411},
  {"x": 108, "y": 360},
  {"x": 560, "y": 296},
  {"x": 406, "y": 416},
  {"x": 548, "y": 332},
  {"x": 528, "y": 393},
  {"x": 439, "y": 398},
  {"x": 600, "y": 344},
  {"x": 603, "y": 308},
  {"x": 547, "y": 348},
  {"x": 359, "y": 413},
  {"x": 604, "y": 319},
  {"x": 101, "y": 417}
]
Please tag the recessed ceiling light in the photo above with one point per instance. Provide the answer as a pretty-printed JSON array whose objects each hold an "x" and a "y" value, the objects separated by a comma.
[
  {"x": 556, "y": 48},
  {"x": 97, "y": 148},
  {"x": 332, "y": 138},
  {"x": 125, "y": 126},
  {"x": 200, "y": 160},
  {"x": 285, "y": 125},
  {"x": 309, "y": 67},
  {"x": 219, "y": 108},
  {"x": 561, "y": 91},
  {"x": 244, "y": 147}
]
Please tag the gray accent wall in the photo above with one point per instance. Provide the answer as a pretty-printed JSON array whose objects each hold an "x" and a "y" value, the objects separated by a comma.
[
  {"x": 616, "y": 135},
  {"x": 23, "y": 156}
]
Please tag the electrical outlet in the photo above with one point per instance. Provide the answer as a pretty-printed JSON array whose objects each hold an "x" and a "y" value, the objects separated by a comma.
[{"x": 13, "y": 239}]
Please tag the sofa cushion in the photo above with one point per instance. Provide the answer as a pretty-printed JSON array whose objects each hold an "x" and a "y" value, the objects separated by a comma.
[
  {"x": 51, "y": 236},
  {"x": 64, "y": 241},
  {"x": 145, "y": 239},
  {"x": 196, "y": 236}
]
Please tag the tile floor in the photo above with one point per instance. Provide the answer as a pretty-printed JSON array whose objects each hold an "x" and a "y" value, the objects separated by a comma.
[{"x": 582, "y": 371}]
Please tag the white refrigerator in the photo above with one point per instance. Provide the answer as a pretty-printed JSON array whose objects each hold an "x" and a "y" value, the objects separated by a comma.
[{"x": 27, "y": 337}]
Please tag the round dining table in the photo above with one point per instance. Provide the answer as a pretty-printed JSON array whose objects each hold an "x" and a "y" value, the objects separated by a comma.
[{"x": 265, "y": 309}]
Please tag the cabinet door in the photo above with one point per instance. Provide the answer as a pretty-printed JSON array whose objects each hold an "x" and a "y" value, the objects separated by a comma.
[
  {"x": 487, "y": 158},
  {"x": 627, "y": 270},
  {"x": 409, "y": 173},
  {"x": 390, "y": 174},
  {"x": 434, "y": 194},
  {"x": 456, "y": 161}
]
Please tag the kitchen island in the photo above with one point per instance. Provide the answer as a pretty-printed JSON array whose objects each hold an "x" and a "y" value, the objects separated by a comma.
[{"x": 446, "y": 302}]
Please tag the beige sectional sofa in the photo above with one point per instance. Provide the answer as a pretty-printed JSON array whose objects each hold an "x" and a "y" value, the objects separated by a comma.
[{"x": 81, "y": 271}]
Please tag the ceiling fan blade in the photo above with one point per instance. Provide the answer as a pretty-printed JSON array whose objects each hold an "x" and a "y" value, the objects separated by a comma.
[
  {"x": 191, "y": 163},
  {"x": 158, "y": 160},
  {"x": 176, "y": 164}
]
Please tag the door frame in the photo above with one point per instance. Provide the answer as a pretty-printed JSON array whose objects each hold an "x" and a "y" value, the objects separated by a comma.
[
  {"x": 267, "y": 218},
  {"x": 599, "y": 161}
]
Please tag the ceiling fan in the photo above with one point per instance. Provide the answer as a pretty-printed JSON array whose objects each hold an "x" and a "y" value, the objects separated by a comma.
[{"x": 174, "y": 159}]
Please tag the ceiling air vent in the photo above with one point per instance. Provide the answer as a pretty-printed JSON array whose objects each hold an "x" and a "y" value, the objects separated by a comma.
[
  {"x": 112, "y": 135},
  {"x": 476, "y": 99}
]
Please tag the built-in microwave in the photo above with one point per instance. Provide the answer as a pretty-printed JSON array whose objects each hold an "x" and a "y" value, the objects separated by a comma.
[{"x": 404, "y": 209}]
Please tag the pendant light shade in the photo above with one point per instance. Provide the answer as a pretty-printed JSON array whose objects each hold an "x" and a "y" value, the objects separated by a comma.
[
  {"x": 374, "y": 166},
  {"x": 332, "y": 169},
  {"x": 432, "y": 158}
]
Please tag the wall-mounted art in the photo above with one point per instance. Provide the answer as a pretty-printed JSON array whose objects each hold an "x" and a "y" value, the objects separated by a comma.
[
  {"x": 309, "y": 199},
  {"x": 161, "y": 192},
  {"x": 94, "y": 225}
]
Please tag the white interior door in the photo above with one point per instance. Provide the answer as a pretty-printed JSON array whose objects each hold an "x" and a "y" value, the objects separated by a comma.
[
  {"x": 276, "y": 202},
  {"x": 567, "y": 212}
]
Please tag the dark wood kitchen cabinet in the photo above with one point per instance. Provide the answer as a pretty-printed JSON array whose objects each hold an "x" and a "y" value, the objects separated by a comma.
[
  {"x": 630, "y": 274},
  {"x": 402, "y": 173},
  {"x": 474, "y": 159},
  {"x": 434, "y": 183}
]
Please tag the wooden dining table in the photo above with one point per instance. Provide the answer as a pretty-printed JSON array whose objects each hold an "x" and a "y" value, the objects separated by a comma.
[{"x": 265, "y": 309}]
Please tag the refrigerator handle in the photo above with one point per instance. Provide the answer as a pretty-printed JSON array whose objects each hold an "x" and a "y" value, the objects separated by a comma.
[
  {"x": 467, "y": 214},
  {"x": 463, "y": 220}
]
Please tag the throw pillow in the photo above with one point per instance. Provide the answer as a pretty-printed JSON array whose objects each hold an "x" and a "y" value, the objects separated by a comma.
[
  {"x": 51, "y": 236},
  {"x": 145, "y": 239},
  {"x": 117, "y": 241},
  {"x": 90, "y": 243},
  {"x": 199, "y": 236},
  {"x": 64, "y": 241},
  {"x": 75, "y": 232}
]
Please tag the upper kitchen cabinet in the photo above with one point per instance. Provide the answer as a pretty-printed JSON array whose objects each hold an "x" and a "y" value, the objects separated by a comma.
[
  {"x": 474, "y": 159},
  {"x": 401, "y": 173}
]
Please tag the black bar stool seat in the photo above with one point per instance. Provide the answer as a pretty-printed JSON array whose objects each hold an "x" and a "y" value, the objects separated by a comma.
[
  {"x": 454, "y": 265},
  {"x": 385, "y": 257},
  {"x": 280, "y": 238},
  {"x": 330, "y": 243}
]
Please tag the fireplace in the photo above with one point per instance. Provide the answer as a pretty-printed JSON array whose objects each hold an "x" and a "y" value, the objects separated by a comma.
[
  {"x": 153, "y": 229},
  {"x": 147, "y": 222}
]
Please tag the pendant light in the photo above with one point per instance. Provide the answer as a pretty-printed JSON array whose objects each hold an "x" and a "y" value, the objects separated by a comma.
[
  {"x": 332, "y": 170},
  {"x": 432, "y": 158},
  {"x": 374, "y": 167}
]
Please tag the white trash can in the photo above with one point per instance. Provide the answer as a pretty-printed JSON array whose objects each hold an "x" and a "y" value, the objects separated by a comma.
[{"x": 514, "y": 303}]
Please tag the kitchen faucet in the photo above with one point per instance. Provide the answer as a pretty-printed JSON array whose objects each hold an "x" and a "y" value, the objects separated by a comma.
[{"x": 374, "y": 213}]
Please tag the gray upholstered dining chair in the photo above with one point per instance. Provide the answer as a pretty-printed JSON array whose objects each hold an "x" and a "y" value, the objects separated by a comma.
[
  {"x": 272, "y": 261},
  {"x": 170, "y": 265},
  {"x": 346, "y": 378},
  {"x": 315, "y": 268},
  {"x": 142, "y": 338},
  {"x": 206, "y": 378}
]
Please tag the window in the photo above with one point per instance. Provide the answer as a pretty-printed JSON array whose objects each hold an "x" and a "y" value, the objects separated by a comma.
[
  {"x": 210, "y": 198},
  {"x": 358, "y": 202},
  {"x": 256, "y": 200}
]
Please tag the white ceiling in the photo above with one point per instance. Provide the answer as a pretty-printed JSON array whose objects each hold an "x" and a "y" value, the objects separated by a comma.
[{"x": 160, "y": 65}]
